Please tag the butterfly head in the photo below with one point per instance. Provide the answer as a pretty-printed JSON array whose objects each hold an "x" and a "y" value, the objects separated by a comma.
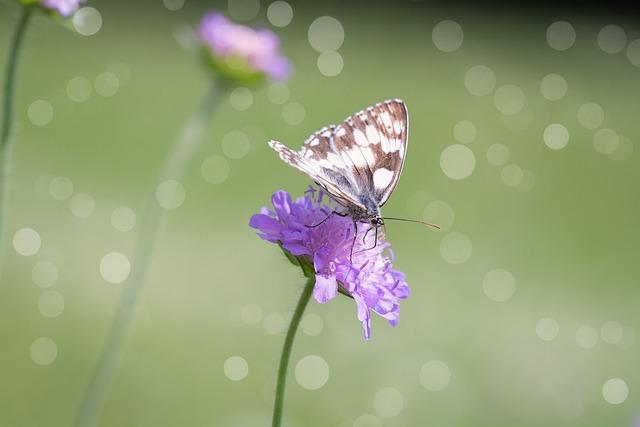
[{"x": 377, "y": 221}]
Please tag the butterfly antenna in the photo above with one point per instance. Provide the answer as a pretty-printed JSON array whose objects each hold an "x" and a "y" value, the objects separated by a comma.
[{"x": 428, "y": 224}]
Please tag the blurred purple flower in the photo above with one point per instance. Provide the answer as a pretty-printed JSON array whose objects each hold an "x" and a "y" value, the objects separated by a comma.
[
  {"x": 238, "y": 46},
  {"x": 370, "y": 279},
  {"x": 63, "y": 7}
]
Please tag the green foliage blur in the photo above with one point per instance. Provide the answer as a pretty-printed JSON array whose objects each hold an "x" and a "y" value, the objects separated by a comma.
[{"x": 527, "y": 298}]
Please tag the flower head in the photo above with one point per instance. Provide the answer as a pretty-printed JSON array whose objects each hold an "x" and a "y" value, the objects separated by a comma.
[
  {"x": 63, "y": 7},
  {"x": 240, "y": 52},
  {"x": 367, "y": 276}
]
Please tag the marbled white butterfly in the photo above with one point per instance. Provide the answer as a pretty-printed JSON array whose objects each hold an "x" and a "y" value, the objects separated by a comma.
[{"x": 357, "y": 162}]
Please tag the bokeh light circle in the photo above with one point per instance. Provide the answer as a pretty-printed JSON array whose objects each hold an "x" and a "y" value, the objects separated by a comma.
[
  {"x": 235, "y": 145},
  {"x": 606, "y": 140},
  {"x": 509, "y": 99},
  {"x": 388, "y": 402},
  {"x": 330, "y": 64},
  {"x": 241, "y": 98},
  {"x": 612, "y": 39},
  {"x": 615, "y": 391},
  {"x": 27, "y": 241},
  {"x": 456, "y": 248},
  {"x": 170, "y": 194},
  {"x": 586, "y": 337},
  {"x": 326, "y": 34},
  {"x": 106, "y": 84},
  {"x": 435, "y": 375},
  {"x": 512, "y": 175},
  {"x": 498, "y": 154},
  {"x": 590, "y": 115},
  {"x": 44, "y": 351},
  {"x": 633, "y": 52},
  {"x": 293, "y": 113},
  {"x": 79, "y": 89},
  {"x": 439, "y": 213},
  {"x": 215, "y": 169},
  {"x": 123, "y": 218},
  {"x": 82, "y": 205},
  {"x": 312, "y": 324},
  {"x": 61, "y": 188},
  {"x": 44, "y": 274},
  {"x": 236, "y": 368},
  {"x": 87, "y": 21},
  {"x": 611, "y": 332},
  {"x": 280, "y": 13},
  {"x": 273, "y": 323},
  {"x": 457, "y": 161},
  {"x": 51, "y": 304},
  {"x": 499, "y": 285},
  {"x": 115, "y": 267},
  {"x": 547, "y": 329},
  {"x": 447, "y": 36},
  {"x": 480, "y": 80},
  {"x": 312, "y": 372},
  {"x": 553, "y": 87},
  {"x": 464, "y": 132},
  {"x": 40, "y": 112},
  {"x": 556, "y": 136},
  {"x": 173, "y": 5},
  {"x": 561, "y": 35},
  {"x": 251, "y": 314}
]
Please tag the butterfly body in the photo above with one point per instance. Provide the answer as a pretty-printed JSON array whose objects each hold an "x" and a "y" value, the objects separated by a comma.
[{"x": 358, "y": 163}]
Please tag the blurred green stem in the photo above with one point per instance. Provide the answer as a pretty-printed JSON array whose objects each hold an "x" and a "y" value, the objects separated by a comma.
[
  {"x": 286, "y": 349},
  {"x": 180, "y": 155},
  {"x": 7, "y": 119}
]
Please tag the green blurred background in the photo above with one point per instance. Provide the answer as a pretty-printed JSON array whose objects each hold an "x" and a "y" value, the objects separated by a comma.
[{"x": 524, "y": 309}]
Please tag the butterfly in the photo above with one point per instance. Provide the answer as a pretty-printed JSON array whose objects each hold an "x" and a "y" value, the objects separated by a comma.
[{"x": 358, "y": 162}]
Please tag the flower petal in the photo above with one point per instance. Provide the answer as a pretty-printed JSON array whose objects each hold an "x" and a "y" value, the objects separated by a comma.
[{"x": 325, "y": 289}]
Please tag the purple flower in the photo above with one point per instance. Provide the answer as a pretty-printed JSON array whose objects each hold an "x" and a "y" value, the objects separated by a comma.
[
  {"x": 63, "y": 7},
  {"x": 241, "y": 49},
  {"x": 370, "y": 280}
]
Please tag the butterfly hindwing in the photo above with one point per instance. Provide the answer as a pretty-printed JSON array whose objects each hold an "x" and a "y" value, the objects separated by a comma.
[{"x": 332, "y": 181}]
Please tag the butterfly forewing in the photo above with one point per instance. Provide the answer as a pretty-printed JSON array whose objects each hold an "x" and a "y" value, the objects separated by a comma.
[
  {"x": 358, "y": 162},
  {"x": 374, "y": 141}
]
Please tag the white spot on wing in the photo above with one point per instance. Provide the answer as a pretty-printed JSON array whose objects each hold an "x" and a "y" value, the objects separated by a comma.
[
  {"x": 372, "y": 134},
  {"x": 314, "y": 142},
  {"x": 358, "y": 159},
  {"x": 368, "y": 155},
  {"x": 360, "y": 138},
  {"x": 382, "y": 178}
]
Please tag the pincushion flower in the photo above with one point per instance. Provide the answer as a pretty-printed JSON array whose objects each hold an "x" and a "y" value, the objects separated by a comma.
[
  {"x": 367, "y": 276},
  {"x": 241, "y": 53},
  {"x": 62, "y": 7}
]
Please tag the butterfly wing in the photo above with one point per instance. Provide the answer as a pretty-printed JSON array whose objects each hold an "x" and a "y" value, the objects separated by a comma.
[
  {"x": 358, "y": 162},
  {"x": 374, "y": 143},
  {"x": 313, "y": 161}
]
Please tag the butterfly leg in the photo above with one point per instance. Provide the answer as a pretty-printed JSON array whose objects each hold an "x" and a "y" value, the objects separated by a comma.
[
  {"x": 353, "y": 244},
  {"x": 375, "y": 243},
  {"x": 328, "y": 216}
]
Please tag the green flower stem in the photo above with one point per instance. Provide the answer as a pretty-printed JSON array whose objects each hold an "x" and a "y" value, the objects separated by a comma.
[
  {"x": 7, "y": 116},
  {"x": 288, "y": 345},
  {"x": 177, "y": 160}
]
